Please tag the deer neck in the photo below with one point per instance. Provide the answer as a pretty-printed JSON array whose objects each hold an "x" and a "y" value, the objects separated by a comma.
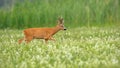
[{"x": 55, "y": 30}]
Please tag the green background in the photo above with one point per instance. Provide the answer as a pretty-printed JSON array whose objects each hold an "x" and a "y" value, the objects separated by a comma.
[{"x": 44, "y": 13}]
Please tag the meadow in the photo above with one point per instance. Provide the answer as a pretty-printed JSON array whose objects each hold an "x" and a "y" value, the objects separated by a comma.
[
  {"x": 81, "y": 47},
  {"x": 92, "y": 39}
]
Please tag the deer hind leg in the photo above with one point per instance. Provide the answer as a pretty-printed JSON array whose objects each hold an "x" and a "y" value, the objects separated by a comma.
[
  {"x": 20, "y": 41},
  {"x": 28, "y": 39}
]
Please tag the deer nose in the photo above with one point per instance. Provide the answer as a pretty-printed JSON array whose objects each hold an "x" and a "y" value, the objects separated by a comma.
[{"x": 65, "y": 29}]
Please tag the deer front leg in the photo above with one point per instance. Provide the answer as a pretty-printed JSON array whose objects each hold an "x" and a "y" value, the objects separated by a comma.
[
  {"x": 51, "y": 38},
  {"x": 46, "y": 39}
]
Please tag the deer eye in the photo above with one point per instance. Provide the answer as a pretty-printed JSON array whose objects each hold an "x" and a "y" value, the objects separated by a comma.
[{"x": 61, "y": 26}]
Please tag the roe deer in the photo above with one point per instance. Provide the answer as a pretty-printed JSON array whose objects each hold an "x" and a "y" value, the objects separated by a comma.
[{"x": 43, "y": 33}]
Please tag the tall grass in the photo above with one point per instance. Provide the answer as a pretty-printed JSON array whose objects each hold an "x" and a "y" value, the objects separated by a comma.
[{"x": 37, "y": 13}]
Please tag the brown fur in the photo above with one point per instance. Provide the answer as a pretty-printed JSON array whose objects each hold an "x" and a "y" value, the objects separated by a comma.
[{"x": 42, "y": 33}]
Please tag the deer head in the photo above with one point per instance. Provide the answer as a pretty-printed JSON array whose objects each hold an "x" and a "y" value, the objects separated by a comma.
[{"x": 60, "y": 24}]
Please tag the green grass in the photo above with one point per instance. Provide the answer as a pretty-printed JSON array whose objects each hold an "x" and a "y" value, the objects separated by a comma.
[
  {"x": 83, "y": 47},
  {"x": 45, "y": 12}
]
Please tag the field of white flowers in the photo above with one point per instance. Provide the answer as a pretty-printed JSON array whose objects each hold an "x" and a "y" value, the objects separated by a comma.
[{"x": 94, "y": 47}]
